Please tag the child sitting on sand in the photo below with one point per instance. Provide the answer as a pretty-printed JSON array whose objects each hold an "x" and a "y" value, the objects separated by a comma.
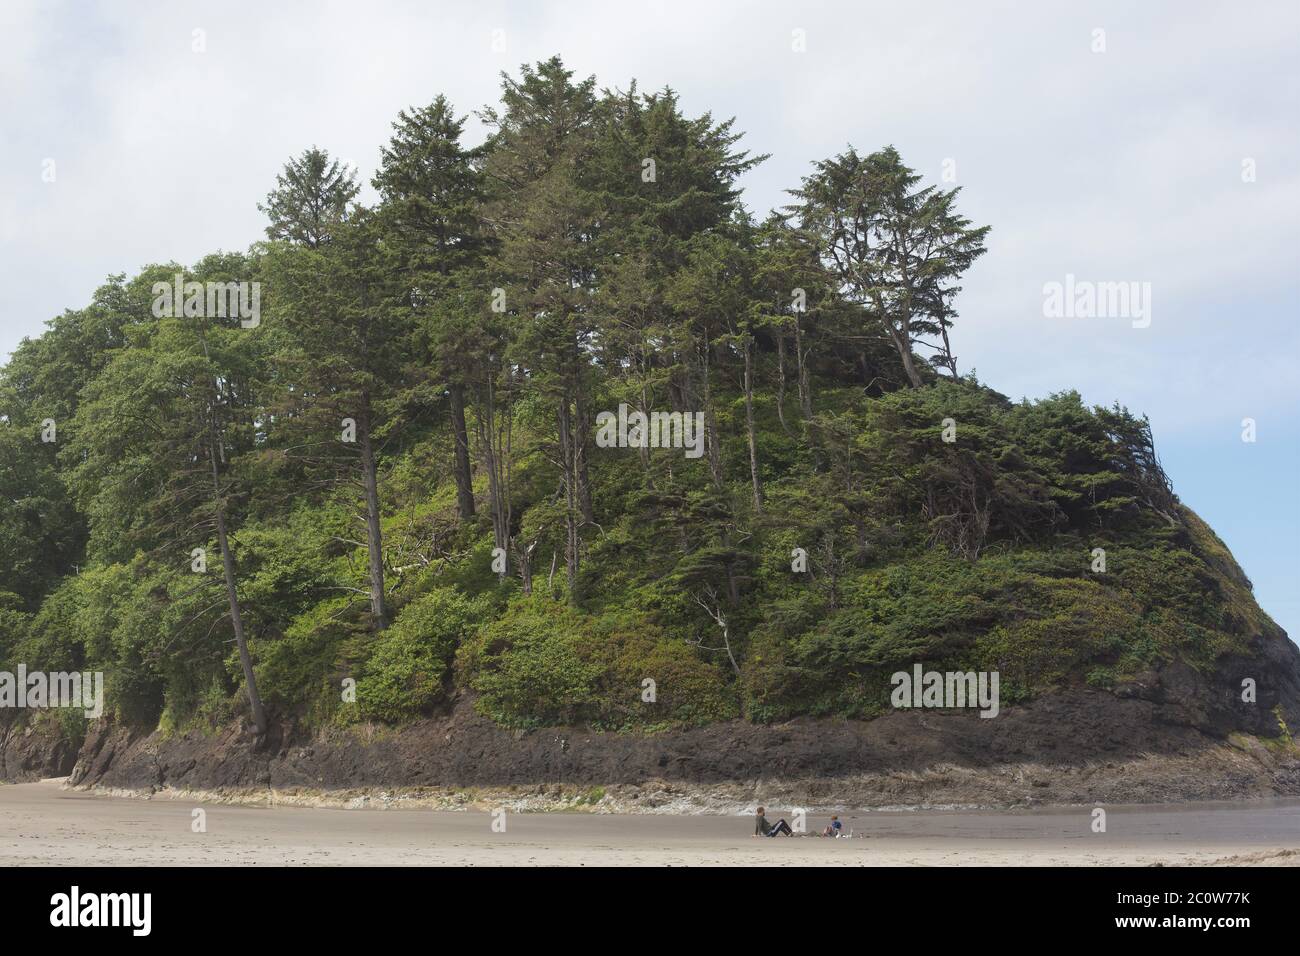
[
  {"x": 761, "y": 827},
  {"x": 833, "y": 828}
]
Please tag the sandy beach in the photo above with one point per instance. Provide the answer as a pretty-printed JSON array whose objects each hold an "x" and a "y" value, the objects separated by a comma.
[{"x": 45, "y": 824}]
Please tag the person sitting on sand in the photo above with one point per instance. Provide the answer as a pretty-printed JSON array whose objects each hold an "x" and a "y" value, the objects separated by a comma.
[
  {"x": 833, "y": 828},
  {"x": 761, "y": 827}
]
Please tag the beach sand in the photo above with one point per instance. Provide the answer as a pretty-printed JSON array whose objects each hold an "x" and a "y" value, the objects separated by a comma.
[{"x": 46, "y": 824}]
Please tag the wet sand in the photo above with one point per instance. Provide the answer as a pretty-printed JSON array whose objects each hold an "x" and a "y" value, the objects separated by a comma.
[{"x": 44, "y": 824}]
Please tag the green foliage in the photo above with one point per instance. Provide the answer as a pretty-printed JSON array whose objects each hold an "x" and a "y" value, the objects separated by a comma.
[
  {"x": 528, "y": 668},
  {"x": 303, "y": 670},
  {"x": 541, "y": 662},
  {"x": 311, "y": 199},
  {"x": 406, "y": 673},
  {"x": 630, "y": 650}
]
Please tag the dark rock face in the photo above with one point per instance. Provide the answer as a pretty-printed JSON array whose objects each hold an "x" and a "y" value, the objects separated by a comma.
[
  {"x": 34, "y": 750},
  {"x": 1174, "y": 717},
  {"x": 1213, "y": 704}
]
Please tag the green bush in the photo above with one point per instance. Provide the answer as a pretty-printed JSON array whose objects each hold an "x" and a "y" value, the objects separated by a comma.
[
  {"x": 407, "y": 671},
  {"x": 528, "y": 666},
  {"x": 629, "y": 650},
  {"x": 303, "y": 670}
]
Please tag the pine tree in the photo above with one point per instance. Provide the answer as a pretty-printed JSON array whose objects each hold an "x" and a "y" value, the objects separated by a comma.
[
  {"x": 346, "y": 312},
  {"x": 310, "y": 199},
  {"x": 432, "y": 196},
  {"x": 896, "y": 250},
  {"x": 663, "y": 178},
  {"x": 546, "y": 221}
]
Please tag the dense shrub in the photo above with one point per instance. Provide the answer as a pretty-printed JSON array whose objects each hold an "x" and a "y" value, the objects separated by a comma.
[
  {"x": 528, "y": 665},
  {"x": 406, "y": 673}
]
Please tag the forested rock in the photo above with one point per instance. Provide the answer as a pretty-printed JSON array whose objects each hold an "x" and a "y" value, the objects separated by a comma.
[{"x": 558, "y": 434}]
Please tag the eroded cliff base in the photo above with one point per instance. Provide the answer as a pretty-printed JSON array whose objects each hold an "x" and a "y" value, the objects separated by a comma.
[{"x": 1075, "y": 747}]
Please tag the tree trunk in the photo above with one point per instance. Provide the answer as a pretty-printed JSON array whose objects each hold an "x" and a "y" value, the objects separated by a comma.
[
  {"x": 805, "y": 398},
  {"x": 754, "y": 478},
  {"x": 677, "y": 390},
  {"x": 236, "y": 618},
  {"x": 713, "y": 444},
  {"x": 949, "y": 359},
  {"x": 374, "y": 539},
  {"x": 568, "y": 458},
  {"x": 903, "y": 343},
  {"x": 464, "y": 479},
  {"x": 492, "y": 452},
  {"x": 644, "y": 450},
  {"x": 780, "y": 380},
  {"x": 581, "y": 447}
]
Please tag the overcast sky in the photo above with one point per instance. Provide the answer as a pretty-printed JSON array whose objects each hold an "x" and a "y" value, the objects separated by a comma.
[{"x": 1122, "y": 165}]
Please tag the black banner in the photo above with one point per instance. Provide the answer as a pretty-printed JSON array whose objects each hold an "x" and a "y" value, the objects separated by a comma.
[{"x": 221, "y": 905}]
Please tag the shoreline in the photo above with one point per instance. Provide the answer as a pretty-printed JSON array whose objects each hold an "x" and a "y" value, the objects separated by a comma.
[
  {"x": 49, "y": 823},
  {"x": 578, "y": 800}
]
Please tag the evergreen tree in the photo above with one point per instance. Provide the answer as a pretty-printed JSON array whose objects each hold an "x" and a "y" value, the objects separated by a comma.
[
  {"x": 310, "y": 199},
  {"x": 345, "y": 309},
  {"x": 896, "y": 250},
  {"x": 546, "y": 221},
  {"x": 432, "y": 196}
]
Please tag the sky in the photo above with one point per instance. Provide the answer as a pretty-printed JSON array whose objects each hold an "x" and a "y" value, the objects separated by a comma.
[{"x": 1113, "y": 142}]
